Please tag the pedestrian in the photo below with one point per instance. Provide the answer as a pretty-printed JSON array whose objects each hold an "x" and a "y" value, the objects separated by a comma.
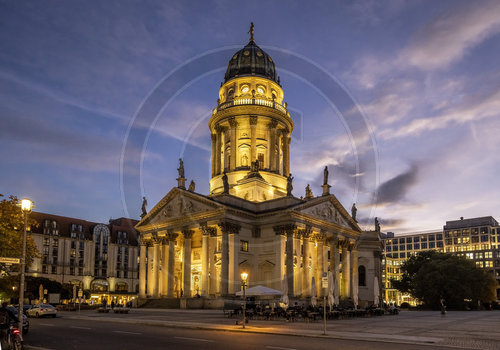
[
  {"x": 443, "y": 306},
  {"x": 112, "y": 304}
]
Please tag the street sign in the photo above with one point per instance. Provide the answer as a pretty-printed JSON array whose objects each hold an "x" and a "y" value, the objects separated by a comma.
[{"x": 10, "y": 260}]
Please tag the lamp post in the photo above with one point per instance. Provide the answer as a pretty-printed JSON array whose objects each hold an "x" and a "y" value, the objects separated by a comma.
[
  {"x": 244, "y": 277},
  {"x": 26, "y": 206}
]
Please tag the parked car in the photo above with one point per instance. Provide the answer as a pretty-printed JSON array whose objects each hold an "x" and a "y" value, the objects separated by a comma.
[
  {"x": 42, "y": 310},
  {"x": 26, "y": 324},
  {"x": 26, "y": 307}
]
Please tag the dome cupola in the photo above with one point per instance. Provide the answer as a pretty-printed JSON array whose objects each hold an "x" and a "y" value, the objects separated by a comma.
[{"x": 251, "y": 61}]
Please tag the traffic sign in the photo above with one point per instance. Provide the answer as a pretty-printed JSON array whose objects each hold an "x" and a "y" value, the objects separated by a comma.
[{"x": 10, "y": 260}]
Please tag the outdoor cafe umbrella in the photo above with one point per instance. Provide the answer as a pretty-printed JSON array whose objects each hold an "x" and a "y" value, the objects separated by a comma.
[
  {"x": 284, "y": 291},
  {"x": 313, "y": 287},
  {"x": 331, "y": 290},
  {"x": 376, "y": 292}
]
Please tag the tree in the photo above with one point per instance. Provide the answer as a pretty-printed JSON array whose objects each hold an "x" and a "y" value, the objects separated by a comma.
[
  {"x": 430, "y": 276},
  {"x": 12, "y": 230}
]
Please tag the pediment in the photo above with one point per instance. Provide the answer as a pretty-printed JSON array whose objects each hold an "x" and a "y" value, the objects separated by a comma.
[
  {"x": 179, "y": 204},
  {"x": 329, "y": 212}
]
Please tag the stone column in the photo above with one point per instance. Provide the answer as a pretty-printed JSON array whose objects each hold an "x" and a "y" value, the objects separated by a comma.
[
  {"x": 217, "y": 153},
  {"x": 287, "y": 146},
  {"x": 171, "y": 237},
  {"x": 354, "y": 269},
  {"x": 204, "y": 258},
  {"x": 346, "y": 270},
  {"x": 288, "y": 230},
  {"x": 253, "y": 135},
  {"x": 150, "y": 278},
  {"x": 213, "y": 285},
  {"x": 272, "y": 144},
  {"x": 306, "y": 275},
  {"x": 156, "y": 270},
  {"x": 164, "y": 267},
  {"x": 234, "y": 142},
  {"x": 214, "y": 154},
  {"x": 142, "y": 270},
  {"x": 278, "y": 153},
  {"x": 227, "y": 229},
  {"x": 234, "y": 267},
  {"x": 187, "y": 262}
]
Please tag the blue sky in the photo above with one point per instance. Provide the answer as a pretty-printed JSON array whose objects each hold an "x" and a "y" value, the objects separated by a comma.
[{"x": 425, "y": 75}]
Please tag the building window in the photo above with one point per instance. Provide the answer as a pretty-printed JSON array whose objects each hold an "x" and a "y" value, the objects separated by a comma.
[
  {"x": 45, "y": 269},
  {"x": 361, "y": 276},
  {"x": 54, "y": 270},
  {"x": 260, "y": 158},
  {"x": 244, "y": 246},
  {"x": 80, "y": 271}
]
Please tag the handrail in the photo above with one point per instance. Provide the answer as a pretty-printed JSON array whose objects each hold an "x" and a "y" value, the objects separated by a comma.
[{"x": 251, "y": 101}]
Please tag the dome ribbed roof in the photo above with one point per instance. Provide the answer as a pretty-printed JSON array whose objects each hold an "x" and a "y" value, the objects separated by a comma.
[{"x": 251, "y": 60}]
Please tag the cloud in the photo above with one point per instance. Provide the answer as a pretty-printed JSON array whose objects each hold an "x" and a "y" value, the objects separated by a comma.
[
  {"x": 448, "y": 37},
  {"x": 473, "y": 108},
  {"x": 395, "y": 189}
]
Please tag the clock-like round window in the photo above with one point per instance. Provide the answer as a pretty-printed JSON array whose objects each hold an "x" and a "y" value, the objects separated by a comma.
[
  {"x": 245, "y": 89},
  {"x": 246, "y": 53},
  {"x": 259, "y": 53},
  {"x": 260, "y": 90}
]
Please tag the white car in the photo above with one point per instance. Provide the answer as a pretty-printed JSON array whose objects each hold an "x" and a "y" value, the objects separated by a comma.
[{"x": 41, "y": 310}]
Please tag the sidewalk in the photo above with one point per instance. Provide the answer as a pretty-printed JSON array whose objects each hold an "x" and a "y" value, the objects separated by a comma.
[{"x": 467, "y": 329}]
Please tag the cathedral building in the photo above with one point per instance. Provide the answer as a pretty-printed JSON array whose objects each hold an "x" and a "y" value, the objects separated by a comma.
[{"x": 194, "y": 244}]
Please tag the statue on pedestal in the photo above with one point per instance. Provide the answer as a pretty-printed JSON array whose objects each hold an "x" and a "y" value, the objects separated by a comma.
[
  {"x": 143, "y": 208},
  {"x": 225, "y": 183},
  {"x": 354, "y": 210},
  {"x": 191, "y": 186},
  {"x": 180, "y": 169},
  {"x": 309, "y": 192},
  {"x": 325, "y": 175},
  {"x": 377, "y": 225},
  {"x": 289, "y": 185}
]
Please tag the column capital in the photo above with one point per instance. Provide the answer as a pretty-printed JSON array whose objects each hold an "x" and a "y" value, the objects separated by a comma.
[
  {"x": 171, "y": 236},
  {"x": 229, "y": 227},
  {"x": 272, "y": 124},
  {"x": 286, "y": 229},
  {"x": 208, "y": 230},
  {"x": 187, "y": 233},
  {"x": 305, "y": 233},
  {"x": 232, "y": 122},
  {"x": 253, "y": 120},
  {"x": 155, "y": 239}
]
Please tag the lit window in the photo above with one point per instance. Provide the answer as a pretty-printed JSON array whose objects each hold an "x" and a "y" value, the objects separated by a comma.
[{"x": 244, "y": 246}]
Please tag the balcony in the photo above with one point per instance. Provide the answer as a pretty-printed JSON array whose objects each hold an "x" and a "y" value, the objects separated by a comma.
[{"x": 251, "y": 101}]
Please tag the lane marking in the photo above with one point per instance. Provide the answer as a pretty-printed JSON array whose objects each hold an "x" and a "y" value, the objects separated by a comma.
[
  {"x": 38, "y": 348},
  {"x": 196, "y": 339},
  {"x": 278, "y": 347},
  {"x": 47, "y": 324},
  {"x": 80, "y": 327},
  {"x": 125, "y": 332}
]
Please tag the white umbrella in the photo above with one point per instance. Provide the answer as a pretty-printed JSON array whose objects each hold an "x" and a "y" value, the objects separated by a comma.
[
  {"x": 259, "y": 291},
  {"x": 284, "y": 291},
  {"x": 376, "y": 293},
  {"x": 355, "y": 298},
  {"x": 331, "y": 290},
  {"x": 313, "y": 297}
]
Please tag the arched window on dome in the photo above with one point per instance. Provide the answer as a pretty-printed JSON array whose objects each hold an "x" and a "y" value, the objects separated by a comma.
[{"x": 361, "y": 276}]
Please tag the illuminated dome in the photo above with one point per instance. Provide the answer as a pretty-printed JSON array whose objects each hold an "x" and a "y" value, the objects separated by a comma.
[{"x": 251, "y": 61}]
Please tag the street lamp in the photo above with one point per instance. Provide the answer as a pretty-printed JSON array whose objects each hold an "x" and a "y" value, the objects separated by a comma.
[
  {"x": 244, "y": 277},
  {"x": 26, "y": 206}
]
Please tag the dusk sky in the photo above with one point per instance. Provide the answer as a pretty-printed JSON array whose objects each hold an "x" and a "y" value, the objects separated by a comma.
[{"x": 424, "y": 74}]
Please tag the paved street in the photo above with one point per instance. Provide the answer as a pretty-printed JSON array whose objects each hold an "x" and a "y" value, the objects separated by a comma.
[
  {"x": 64, "y": 334},
  {"x": 186, "y": 329}
]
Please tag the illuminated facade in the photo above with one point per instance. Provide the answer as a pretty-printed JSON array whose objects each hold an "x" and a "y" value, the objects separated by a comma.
[
  {"x": 100, "y": 258},
  {"x": 477, "y": 239},
  {"x": 195, "y": 244}
]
